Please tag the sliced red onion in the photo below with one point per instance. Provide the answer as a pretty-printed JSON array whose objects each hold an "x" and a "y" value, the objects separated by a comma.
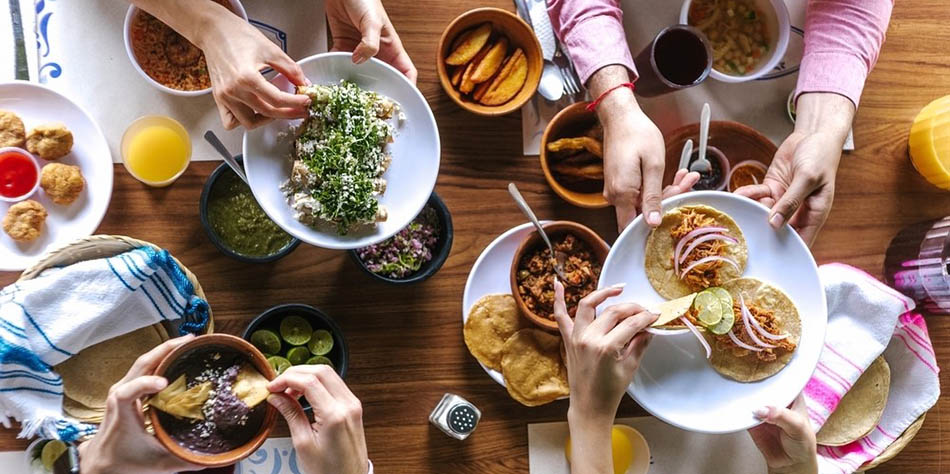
[
  {"x": 699, "y": 336},
  {"x": 761, "y": 330},
  {"x": 710, "y": 258},
  {"x": 746, "y": 317},
  {"x": 741, "y": 344},
  {"x": 706, "y": 238},
  {"x": 690, "y": 235}
]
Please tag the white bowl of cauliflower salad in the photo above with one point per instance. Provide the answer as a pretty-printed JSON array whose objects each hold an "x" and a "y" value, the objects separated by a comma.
[{"x": 358, "y": 168}]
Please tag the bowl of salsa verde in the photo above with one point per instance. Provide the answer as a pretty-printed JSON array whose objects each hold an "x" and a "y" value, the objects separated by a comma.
[{"x": 235, "y": 222}]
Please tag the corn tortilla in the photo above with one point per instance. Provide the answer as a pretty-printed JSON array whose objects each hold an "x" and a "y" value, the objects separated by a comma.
[
  {"x": 769, "y": 298},
  {"x": 533, "y": 367},
  {"x": 491, "y": 321},
  {"x": 860, "y": 410},
  {"x": 660, "y": 248}
]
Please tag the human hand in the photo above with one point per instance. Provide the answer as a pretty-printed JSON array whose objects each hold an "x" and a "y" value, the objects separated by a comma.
[
  {"x": 363, "y": 27},
  {"x": 786, "y": 439},
  {"x": 236, "y": 53},
  {"x": 334, "y": 442},
  {"x": 122, "y": 444},
  {"x": 799, "y": 186}
]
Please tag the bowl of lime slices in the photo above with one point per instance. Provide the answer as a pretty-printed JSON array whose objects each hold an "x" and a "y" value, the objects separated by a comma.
[{"x": 298, "y": 334}]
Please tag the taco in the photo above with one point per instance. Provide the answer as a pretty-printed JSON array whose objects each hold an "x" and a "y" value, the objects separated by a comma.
[
  {"x": 694, "y": 248},
  {"x": 741, "y": 350}
]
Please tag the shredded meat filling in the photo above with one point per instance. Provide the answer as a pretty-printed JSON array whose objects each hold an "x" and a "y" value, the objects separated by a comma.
[
  {"x": 768, "y": 322},
  {"x": 536, "y": 276},
  {"x": 707, "y": 274}
]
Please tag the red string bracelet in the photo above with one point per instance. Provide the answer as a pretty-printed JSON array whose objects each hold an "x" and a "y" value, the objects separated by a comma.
[{"x": 593, "y": 105}]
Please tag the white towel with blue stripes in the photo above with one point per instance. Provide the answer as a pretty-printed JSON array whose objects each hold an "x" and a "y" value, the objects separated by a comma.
[{"x": 46, "y": 320}]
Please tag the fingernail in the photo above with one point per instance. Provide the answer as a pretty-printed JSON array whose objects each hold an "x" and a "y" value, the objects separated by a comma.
[
  {"x": 776, "y": 220},
  {"x": 307, "y": 82},
  {"x": 761, "y": 413},
  {"x": 618, "y": 286},
  {"x": 654, "y": 218}
]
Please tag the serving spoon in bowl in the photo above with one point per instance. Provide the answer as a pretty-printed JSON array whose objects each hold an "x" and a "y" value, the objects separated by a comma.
[
  {"x": 215, "y": 142},
  {"x": 558, "y": 256},
  {"x": 702, "y": 165}
]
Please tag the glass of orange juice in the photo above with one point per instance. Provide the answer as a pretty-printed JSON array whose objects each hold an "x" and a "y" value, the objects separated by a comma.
[{"x": 156, "y": 150}]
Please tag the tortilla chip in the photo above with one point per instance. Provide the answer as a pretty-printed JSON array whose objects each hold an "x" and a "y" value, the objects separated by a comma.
[
  {"x": 176, "y": 399},
  {"x": 670, "y": 312},
  {"x": 88, "y": 375},
  {"x": 860, "y": 410},
  {"x": 660, "y": 247},
  {"x": 491, "y": 321},
  {"x": 767, "y": 297},
  {"x": 250, "y": 386},
  {"x": 533, "y": 368}
]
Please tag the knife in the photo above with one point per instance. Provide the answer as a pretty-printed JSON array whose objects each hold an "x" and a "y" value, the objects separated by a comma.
[
  {"x": 21, "y": 70},
  {"x": 541, "y": 23}
]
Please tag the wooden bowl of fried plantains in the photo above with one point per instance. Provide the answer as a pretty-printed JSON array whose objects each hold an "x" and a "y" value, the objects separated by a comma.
[{"x": 572, "y": 156}]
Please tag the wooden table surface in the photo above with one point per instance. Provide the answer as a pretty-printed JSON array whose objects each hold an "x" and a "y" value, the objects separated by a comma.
[{"x": 406, "y": 342}]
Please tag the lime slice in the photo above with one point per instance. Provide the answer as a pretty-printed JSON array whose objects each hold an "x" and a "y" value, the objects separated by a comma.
[
  {"x": 295, "y": 330},
  {"x": 708, "y": 308},
  {"x": 266, "y": 341},
  {"x": 51, "y": 452},
  {"x": 279, "y": 364},
  {"x": 725, "y": 324},
  {"x": 319, "y": 360},
  {"x": 321, "y": 343},
  {"x": 298, "y": 355}
]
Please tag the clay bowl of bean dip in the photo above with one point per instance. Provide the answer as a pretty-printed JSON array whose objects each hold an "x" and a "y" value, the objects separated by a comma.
[
  {"x": 219, "y": 414},
  {"x": 532, "y": 270}
]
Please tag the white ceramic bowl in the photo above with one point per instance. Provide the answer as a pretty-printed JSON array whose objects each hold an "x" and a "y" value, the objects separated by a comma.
[
  {"x": 779, "y": 25},
  {"x": 36, "y": 165},
  {"x": 675, "y": 382},
  {"x": 236, "y": 7},
  {"x": 415, "y": 151}
]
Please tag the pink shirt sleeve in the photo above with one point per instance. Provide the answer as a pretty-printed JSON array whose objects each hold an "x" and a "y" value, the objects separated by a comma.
[
  {"x": 842, "y": 42},
  {"x": 591, "y": 32}
]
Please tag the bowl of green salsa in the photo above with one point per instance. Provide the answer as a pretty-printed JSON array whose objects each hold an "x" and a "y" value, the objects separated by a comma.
[{"x": 235, "y": 222}]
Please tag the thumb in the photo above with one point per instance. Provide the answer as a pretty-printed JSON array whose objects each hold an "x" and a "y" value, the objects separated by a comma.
[
  {"x": 370, "y": 28},
  {"x": 788, "y": 204},
  {"x": 564, "y": 323},
  {"x": 297, "y": 420},
  {"x": 122, "y": 399},
  {"x": 793, "y": 424}
]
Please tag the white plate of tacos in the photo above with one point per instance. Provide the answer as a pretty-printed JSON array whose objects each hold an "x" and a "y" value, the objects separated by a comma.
[{"x": 747, "y": 292}]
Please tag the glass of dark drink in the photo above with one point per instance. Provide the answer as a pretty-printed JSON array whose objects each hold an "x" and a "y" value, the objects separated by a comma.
[{"x": 678, "y": 57}]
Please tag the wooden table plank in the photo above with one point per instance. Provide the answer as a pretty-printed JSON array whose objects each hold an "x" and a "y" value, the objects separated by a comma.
[{"x": 406, "y": 343}]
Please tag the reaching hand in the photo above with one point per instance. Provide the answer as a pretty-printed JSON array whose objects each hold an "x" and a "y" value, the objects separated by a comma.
[
  {"x": 334, "y": 442},
  {"x": 800, "y": 183},
  {"x": 786, "y": 439},
  {"x": 363, "y": 27},
  {"x": 122, "y": 444},
  {"x": 236, "y": 53}
]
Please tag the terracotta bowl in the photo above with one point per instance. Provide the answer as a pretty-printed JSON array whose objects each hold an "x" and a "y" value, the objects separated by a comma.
[
  {"x": 519, "y": 34},
  {"x": 736, "y": 141},
  {"x": 570, "y": 121},
  {"x": 270, "y": 417},
  {"x": 554, "y": 230}
]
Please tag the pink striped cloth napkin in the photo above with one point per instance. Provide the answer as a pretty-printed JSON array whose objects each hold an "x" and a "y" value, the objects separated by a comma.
[{"x": 866, "y": 319}]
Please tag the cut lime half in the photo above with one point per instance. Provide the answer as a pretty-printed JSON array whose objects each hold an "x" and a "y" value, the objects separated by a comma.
[
  {"x": 708, "y": 308},
  {"x": 298, "y": 355},
  {"x": 295, "y": 330},
  {"x": 319, "y": 360},
  {"x": 266, "y": 341},
  {"x": 52, "y": 450},
  {"x": 279, "y": 364},
  {"x": 321, "y": 342}
]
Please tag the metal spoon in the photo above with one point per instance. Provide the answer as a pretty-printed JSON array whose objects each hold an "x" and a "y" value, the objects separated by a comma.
[
  {"x": 703, "y": 165},
  {"x": 211, "y": 138},
  {"x": 551, "y": 86},
  {"x": 559, "y": 257},
  {"x": 684, "y": 157}
]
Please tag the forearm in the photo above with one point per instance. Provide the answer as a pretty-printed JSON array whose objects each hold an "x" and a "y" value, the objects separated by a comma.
[
  {"x": 591, "y": 32},
  {"x": 190, "y": 18},
  {"x": 824, "y": 112},
  {"x": 590, "y": 443},
  {"x": 617, "y": 104}
]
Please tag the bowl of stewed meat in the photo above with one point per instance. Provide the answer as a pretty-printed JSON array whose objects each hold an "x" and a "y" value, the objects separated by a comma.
[{"x": 533, "y": 273}]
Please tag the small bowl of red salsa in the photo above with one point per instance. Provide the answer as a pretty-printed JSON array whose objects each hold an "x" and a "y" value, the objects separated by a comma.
[{"x": 19, "y": 174}]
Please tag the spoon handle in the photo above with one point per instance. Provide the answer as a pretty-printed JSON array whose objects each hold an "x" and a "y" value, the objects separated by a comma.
[
  {"x": 703, "y": 131},
  {"x": 523, "y": 205},
  {"x": 215, "y": 142},
  {"x": 684, "y": 157}
]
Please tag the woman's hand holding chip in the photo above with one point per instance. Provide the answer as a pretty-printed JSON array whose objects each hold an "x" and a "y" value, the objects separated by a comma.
[
  {"x": 122, "y": 444},
  {"x": 334, "y": 442},
  {"x": 602, "y": 355},
  {"x": 786, "y": 439}
]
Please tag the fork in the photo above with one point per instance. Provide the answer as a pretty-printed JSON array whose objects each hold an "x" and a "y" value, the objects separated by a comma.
[{"x": 567, "y": 74}]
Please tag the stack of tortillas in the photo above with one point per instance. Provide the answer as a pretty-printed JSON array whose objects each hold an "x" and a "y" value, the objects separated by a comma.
[
  {"x": 88, "y": 375},
  {"x": 860, "y": 409}
]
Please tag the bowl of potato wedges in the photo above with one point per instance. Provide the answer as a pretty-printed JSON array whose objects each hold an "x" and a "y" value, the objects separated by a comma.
[
  {"x": 489, "y": 61},
  {"x": 572, "y": 156}
]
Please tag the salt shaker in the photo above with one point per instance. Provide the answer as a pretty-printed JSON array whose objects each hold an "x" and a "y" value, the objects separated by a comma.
[{"x": 455, "y": 416}]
